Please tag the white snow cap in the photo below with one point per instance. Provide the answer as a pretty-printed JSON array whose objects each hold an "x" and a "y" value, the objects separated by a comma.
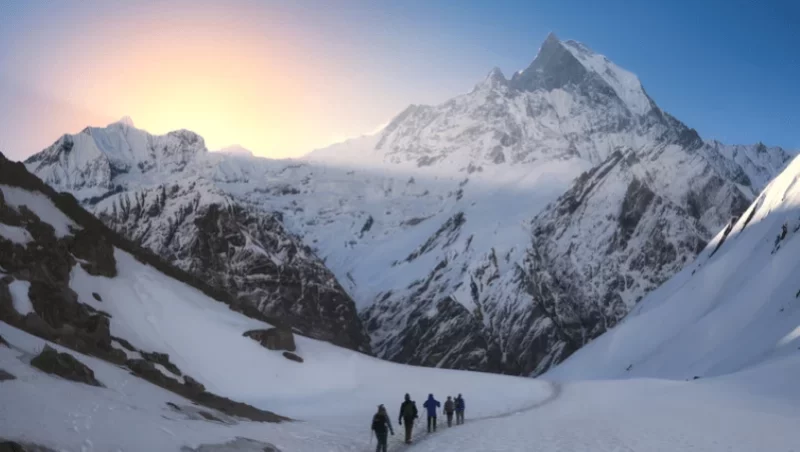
[
  {"x": 125, "y": 121},
  {"x": 235, "y": 149}
]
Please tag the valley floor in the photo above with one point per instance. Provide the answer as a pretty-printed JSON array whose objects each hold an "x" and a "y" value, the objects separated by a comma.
[
  {"x": 743, "y": 412},
  {"x": 335, "y": 391}
]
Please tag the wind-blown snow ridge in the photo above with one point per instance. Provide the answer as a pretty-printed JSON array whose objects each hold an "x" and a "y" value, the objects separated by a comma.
[{"x": 626, "y": 84}]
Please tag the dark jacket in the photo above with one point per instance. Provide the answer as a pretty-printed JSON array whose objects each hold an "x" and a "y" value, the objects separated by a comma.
[
  {"x": 380, "y": 423},
  {"x": 460, "y": 404},
  {"x": 408, "y": 414},
  {"x": 449, "y": 407},
  {"x": 431, "y": 405}
]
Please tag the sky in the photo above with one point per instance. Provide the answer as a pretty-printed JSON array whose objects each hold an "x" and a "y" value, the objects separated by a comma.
[{"x": 285, "y": 77}]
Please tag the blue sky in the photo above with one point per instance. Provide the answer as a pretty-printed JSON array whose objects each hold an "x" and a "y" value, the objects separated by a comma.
[{"x": 730, "y": 69}]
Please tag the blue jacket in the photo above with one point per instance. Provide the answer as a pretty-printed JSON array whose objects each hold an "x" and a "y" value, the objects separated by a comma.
[
  {"x": 460, "y": 404},
  {"x": 431, "y": 404}
]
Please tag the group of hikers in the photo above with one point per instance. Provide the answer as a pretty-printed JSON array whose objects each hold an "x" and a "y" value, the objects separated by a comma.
[{"x": 382, "y": 426}]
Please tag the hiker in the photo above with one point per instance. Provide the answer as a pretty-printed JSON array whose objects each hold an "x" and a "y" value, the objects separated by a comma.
[
  {"x": 431, "y": 405},
  {"x": 459, "y": 410},
  {"x": 449, "y": 407},
  {"x": 380, "y": 422},
  {"x": 408, "y": 413}
]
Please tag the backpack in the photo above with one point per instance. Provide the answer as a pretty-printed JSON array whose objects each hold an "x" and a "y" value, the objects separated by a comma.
[
  {"x": 409, "y": 410},
  {"x": 379, "y": 423},
  {"x": 448, "y": 406}
]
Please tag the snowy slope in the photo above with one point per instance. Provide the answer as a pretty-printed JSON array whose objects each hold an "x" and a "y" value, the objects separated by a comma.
[
  {"x": 465, "y": 233},
  {"x": 160, "y": 192},
  {"x": 734, "y": 308},
  {"x": 754, "y": 410},
  {"x": 54, "y": 287}
]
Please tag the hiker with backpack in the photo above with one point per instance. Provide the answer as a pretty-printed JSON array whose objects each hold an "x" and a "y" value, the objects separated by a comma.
[
  {"x": 459, "y": 410},
  {"x": 431, "y": 405},
  {"x": 408, "y": 413},
  {"x": 449, "y": 408},
  {"x": 380, "y": 425}
]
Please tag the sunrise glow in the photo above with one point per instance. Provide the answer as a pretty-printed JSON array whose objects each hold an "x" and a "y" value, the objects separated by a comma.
[{"x": 232, "y": 79}]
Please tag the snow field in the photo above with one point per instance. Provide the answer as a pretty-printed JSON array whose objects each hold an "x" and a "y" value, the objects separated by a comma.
[
  {"x": 204, "y": 339},
  {"x": 41, "y": 206},
  {"x": 15, "y": 233},
  {"x": 19, "y": 296}
]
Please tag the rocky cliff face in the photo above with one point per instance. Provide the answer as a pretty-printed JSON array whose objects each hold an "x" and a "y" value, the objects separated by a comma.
[
  {"x": 158, "y": 191},
  {"x": 653, "y": 195}
]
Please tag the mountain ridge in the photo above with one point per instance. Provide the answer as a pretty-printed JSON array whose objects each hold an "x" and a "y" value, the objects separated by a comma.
[{"x": 453, "y": 227}]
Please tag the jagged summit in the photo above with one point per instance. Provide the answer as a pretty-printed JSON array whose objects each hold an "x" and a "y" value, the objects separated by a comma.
[
  {"x": 100, "y": 158},
  {"x": 494, "y": 79},
  {"x": 551, "y": 39},
  {"x": 564, "y": 64}
]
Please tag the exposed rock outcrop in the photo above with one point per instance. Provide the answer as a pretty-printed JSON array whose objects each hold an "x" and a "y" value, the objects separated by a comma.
[
  {"x": 65, "y": 366},
  {"x": 273, "y": 338},
  {"x": 292, "y": 357},
  {"x": 5, "y": 376}
]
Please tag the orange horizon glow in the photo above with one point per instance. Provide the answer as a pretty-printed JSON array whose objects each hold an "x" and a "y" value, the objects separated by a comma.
[{"x": 231, "y": 81}]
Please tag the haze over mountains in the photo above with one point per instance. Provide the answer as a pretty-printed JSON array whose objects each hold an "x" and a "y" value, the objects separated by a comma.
[{"x": 500, "y": 231}]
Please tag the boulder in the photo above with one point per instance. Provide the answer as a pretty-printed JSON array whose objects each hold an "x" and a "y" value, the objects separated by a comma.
[
  {"x": 64, "y": 365},
  {"x": 163, "y": 359},
  {"x": 124, "y": 343},
  {"x": 7, "y": 312},
  {"x": 67, "y": 330},
  {"x": 38, "y": 327},
  {"x": 274, "y": 338},
  {"x": 95, "y": 251},
  {"x": 98, "y": 328},
  {"x": 97, "y": 297},
  {"x": 292, "y": 356},
  {"x": 144, "y": 369},
  {"x": 193, "y": 385},
  {"x": 116, "y": 356},
  {"x": 240, "y": 443},
  {"x": 4, "y": 376}
]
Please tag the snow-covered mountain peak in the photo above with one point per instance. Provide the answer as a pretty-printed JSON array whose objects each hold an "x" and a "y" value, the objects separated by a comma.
[
  {"x": 625, "y": 83},
  {"x": 235, "y": 150},
  {"x": 560, "y": 64},
  {"x": 494, "y": 79},
  {"x": 101, "y": 158},
  {"x": 124, "y": 121}
]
